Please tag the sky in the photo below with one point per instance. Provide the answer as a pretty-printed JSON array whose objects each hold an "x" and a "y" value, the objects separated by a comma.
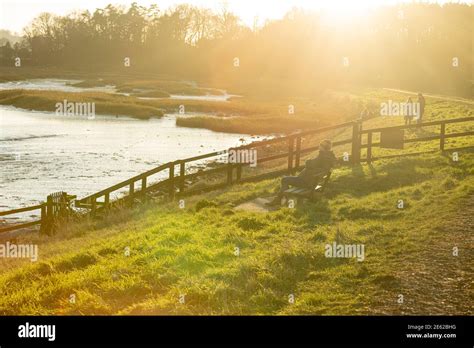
[{"x": 16, "y": 14}]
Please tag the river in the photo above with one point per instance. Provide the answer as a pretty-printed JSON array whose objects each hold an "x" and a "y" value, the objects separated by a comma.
[{"x": 41, "y": 152}]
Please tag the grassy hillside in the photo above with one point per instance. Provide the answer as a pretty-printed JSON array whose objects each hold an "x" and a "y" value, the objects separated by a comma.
[{"x": 191, "y": 251}]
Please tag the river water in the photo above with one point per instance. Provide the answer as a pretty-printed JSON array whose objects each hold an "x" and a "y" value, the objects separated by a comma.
[
  {"x": 41, "y": 152},
  {"x": 65, "y": 85}
]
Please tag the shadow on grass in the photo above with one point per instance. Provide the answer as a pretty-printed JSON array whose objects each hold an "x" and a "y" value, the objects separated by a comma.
[
  {"x": 267, "y": 292},
  {"x": 314, "y": 213},
  {"x": 388, "y": 176}
]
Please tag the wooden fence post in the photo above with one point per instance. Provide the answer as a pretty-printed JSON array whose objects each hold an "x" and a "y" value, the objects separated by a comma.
[
  {"x": 93, "y": 205},
  {"x": 239, "y": 172},
  {"x": 182, "y": 174},
  {"x": 46, "y": 224},
  {"x": 49, "y": 207},
  {"x": 44, "y": 218},
  {"x": 64, "y": 212},
  {"x": 43, "y": 213},
  {"x": 291, "y": 144},
  {"x": 131, "y": 192},
  {"x": 369, "y": 147},
  {"x": 229, "y": 168},
  {"x": 298, "y": 149},
  {"x": 355, "y": 155},
  {"x": 171, "y": 178},
  {"x": 143, "y": 190},
  {"x": 442, "y": 136},
  {"x": 106, "y": 200}
]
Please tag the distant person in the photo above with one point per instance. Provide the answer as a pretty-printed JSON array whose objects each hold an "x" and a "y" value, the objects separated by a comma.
[
  {"x": 408, "y": 111},
  {"x": 321, "y": 164},
  {"x": 365, "y": 113},
  {"x": 421, "y": 104}
]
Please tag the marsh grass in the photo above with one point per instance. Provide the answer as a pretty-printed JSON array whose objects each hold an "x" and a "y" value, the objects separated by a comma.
[{"x": 105, "y": 103}]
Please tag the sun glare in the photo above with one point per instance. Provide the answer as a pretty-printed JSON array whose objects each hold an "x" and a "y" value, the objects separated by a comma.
[{"x": 347, "y": 8}]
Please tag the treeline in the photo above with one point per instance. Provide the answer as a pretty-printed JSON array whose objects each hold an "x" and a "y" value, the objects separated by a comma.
[{"x": 414, "y": 46}]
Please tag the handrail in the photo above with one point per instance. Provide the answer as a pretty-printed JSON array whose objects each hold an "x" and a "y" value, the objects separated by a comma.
[
  {"x": 426, "y": 124},
  {"x": 165, "y": 166},
  {"x": 21, "y": 210},
  {"x": 126, "y": 182}
]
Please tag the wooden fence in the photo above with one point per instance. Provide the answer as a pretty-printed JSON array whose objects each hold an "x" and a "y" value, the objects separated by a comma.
[
  {"x": 175, "y": 175},
  {"x": 57, "y": 206}
]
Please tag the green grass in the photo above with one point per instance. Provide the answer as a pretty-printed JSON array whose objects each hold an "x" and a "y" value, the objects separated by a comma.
[{"x": 191, "y": 251}]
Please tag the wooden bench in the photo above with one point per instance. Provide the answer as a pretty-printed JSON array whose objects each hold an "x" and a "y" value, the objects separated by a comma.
[{"x": 320, "y": 182}]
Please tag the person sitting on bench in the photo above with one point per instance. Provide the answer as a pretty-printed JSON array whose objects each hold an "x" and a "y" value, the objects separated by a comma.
[{"x": 321, "y": 164}]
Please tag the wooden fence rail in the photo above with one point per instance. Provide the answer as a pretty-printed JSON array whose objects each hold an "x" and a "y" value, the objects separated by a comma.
[
  {"x": 55, "y": 206},
  {"x": 442, "y": 136},
  {"x": 173, "y": 180}
]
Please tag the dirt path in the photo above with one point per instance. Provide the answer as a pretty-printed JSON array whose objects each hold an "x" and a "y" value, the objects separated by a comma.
[
  {"x": 256, "y": 205},
  {"x": 435, "y": 282}
]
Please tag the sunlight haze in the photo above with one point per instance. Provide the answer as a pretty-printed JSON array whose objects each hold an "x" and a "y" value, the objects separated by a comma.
[{"x": 16, "y": 14}]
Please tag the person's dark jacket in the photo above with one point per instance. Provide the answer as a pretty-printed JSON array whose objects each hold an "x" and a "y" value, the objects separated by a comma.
[{"x": 321, "y": 164}]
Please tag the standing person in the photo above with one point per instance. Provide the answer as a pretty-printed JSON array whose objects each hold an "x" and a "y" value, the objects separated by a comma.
[
  {"x": 408, "y": 111},
  {"x": 365, "y": 113},
  {"x": 421, "y": 104}
]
